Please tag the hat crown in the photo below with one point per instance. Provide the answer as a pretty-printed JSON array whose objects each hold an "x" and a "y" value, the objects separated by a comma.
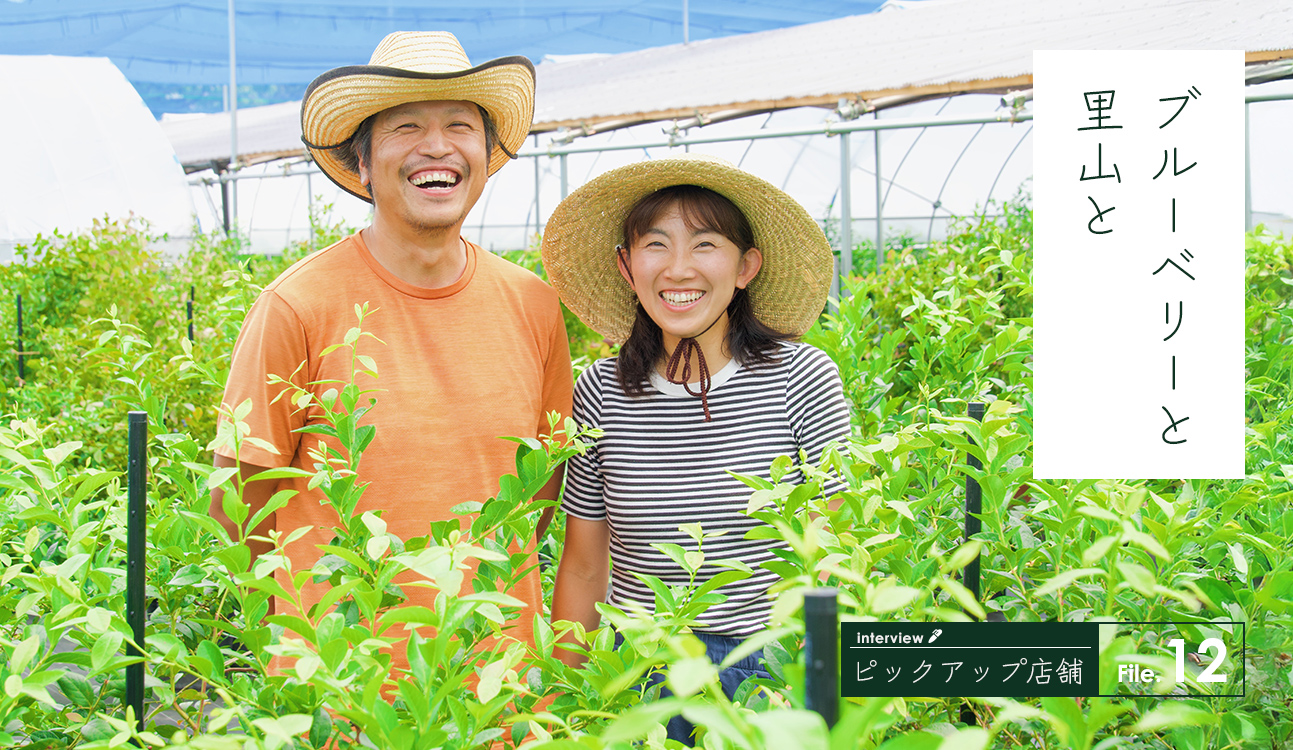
[{"x": 421, "y": 51}]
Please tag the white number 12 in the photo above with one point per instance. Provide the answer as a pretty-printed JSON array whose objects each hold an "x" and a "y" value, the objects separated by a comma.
[{"x": 1207, "y": 674}]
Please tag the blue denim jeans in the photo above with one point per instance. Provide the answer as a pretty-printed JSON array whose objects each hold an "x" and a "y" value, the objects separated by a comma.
[{"x": 717, "y": 648}]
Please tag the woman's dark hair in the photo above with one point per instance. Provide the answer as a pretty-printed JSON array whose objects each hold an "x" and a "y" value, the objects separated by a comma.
[{"x": 749, "y": 341}]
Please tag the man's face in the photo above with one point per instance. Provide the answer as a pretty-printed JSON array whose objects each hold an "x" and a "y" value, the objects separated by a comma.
[{"x": 428, "y": 164}]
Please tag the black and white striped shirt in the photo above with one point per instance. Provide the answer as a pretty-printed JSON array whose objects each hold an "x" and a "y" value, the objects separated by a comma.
[{"x": 659, "y": 465}]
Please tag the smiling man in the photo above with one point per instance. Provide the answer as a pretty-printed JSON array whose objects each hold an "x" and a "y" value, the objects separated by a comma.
[{"x": 471, "y": 347}]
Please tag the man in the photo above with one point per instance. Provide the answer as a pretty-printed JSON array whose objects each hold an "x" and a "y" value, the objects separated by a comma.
[{"x": 471, "y": 347}]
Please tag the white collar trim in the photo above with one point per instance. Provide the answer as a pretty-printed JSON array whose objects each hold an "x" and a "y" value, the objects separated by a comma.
[{"x": 676, "y": 389}]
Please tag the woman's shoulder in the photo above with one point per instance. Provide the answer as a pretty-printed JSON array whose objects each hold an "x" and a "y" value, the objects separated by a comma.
[
  {"x": 797, "y": 355},
  {"x": 598, "y": 374}
]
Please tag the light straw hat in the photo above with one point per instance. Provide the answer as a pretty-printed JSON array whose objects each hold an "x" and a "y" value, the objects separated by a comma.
[
  {"x": 579, "y": 244},
  {"x": 413, "y": 66}
]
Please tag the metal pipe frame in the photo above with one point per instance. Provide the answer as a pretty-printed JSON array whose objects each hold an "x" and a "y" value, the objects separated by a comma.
[
  {"x": 826, "y": 129},
  {"x": 231, "y": 223}
]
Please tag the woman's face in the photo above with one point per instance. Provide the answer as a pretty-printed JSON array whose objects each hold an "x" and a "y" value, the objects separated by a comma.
[{"x": 685, "y": 277}]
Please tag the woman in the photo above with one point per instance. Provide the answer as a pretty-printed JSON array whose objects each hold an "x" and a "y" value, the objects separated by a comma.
[{"x": 705, "y": 272}]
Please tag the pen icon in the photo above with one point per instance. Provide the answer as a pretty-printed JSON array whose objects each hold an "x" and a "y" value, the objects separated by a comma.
[{"x": 934, "y": 636}]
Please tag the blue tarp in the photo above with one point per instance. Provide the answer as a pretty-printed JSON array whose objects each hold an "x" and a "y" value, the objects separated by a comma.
[{"x": 292, "y": 41}]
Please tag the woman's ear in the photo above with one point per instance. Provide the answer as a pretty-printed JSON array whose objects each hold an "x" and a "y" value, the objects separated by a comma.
[
  {"x": 751, "y": 262},
  {"x": 621, "y": 262}
]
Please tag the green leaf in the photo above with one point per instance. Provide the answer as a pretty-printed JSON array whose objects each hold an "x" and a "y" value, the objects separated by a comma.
[
  {"x": 687, "y": 676},
  {"x": 320, "y": 727},
  {"x": 78, "y": 690},
  {"x": 970, "y": 738},
  {"x": 285, "y": 728},
  {"x": 306, "y": 666},
  {"x": 890, "y": 598},
  {"x": 964, "y": 555},
  {"x": 673, "y": 552},
  {"x": 1067, "y": 720},
  {"x": 211, "y": 652},
  {"x": 1237, "y": 555},
  {"x": 220, "y": 476},
  {"x": 91, "y": 482},
  {"x": 1065, "y": 578},
  {"x": 913, "y": 741},
  {"x": 376, "y": 526},
  {"x": 187, "y": 576},
  {"x": 105, "y": 649},
  {"x": 295, "y": 624},
  {"x": 23, "y": 653},
  {"x": 491, "y": 681},
  {"x": 493, "y": 597},
  {"x": 1138, "y": 577},
  {"x": 1174, "y": 714},
  {"x": 780, "y": 466},
  {"x": 963, "y": 596},
  {"x": 276, "y": 502},
  {"x": 638, "y": 721},
  {"x": 803, "y": 730},
  {"x": 97, "y": 730},
  {"x": 1098, "y": 549},
  {"x": 1147, "y": 543}
]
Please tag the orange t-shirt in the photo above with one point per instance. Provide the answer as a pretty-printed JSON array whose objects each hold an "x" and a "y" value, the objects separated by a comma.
[{"x": 461, "y": 367}]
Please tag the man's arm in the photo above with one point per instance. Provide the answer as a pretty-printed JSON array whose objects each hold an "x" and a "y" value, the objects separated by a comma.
[
  {"x": 582, "y": 576},
  {"x": 549, "y": 491},
  {"x": 255, "y": 494}
]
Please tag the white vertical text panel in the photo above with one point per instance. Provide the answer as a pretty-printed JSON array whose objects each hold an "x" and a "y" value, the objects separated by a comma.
[{"x": 1138, "y": 227}]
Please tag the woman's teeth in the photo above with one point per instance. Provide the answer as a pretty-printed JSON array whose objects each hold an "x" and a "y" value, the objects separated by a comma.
[{"x": 681, "y": 298}]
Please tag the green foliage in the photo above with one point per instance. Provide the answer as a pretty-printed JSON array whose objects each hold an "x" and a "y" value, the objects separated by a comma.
[{"x": 914, "y": 340}]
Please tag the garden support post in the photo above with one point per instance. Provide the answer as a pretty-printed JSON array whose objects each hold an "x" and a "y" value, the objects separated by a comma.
[
  {"x": 565, "y": 177},
  {"x": 538, "y": 225},
  {"x": 189, "y": 306},
  {"x": 136, "y": 531},
  {"x": 21, "y": 373},
  {"x": 973, "y": 507},
  {"x": 846, "y": 212},
  {"x": 821, "y": 654},
  {"x": 879, "y": 203}
]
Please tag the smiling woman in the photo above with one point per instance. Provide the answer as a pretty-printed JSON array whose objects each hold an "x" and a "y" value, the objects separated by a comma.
[
  {"x": 713, "y": 268},
  {"x": 690, "y": 256}
]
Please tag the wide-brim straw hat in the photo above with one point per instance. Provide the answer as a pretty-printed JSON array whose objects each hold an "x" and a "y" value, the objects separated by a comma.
[
  {"x": 414, "y": 66},
  {"x": 579, "y": 241}
]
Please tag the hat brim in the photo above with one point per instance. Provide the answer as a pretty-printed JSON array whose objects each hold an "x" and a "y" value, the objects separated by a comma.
[
  {"x": 579, "y": 242},
  {"x": 339, "y": 100}
]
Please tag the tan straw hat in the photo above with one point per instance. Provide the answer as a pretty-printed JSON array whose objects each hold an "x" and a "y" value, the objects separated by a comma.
[
  {"x": 413, "y": 66},
  {"x": 579, "y": 244}
]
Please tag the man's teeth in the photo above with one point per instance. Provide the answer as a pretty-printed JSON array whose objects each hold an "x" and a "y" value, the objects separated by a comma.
[
  {"x": 681, "y": 298},
  {"x": 435, "y": 178}
]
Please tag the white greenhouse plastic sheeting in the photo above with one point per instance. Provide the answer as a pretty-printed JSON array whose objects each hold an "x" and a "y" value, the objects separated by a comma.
[
  {"x": 955, "y": 165},
  {"x": 929, "y": 48},
  {"x": 82, "y": 146},
  {"x": 961, "y": 167}
]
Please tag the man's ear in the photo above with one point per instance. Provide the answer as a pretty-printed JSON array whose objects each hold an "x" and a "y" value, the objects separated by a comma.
[
  {"x": 751, "y": 262},
  {"x": 364, "y": 177}
]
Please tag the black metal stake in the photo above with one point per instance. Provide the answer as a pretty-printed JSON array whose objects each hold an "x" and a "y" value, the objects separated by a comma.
[
  {"x": 973, "y": 507},
  {"x": 821, "y": 654},
  {"x": 21, "y": 370},
  {"x": 192, "y": 292},
  {"x": 136, "y": 531}
]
